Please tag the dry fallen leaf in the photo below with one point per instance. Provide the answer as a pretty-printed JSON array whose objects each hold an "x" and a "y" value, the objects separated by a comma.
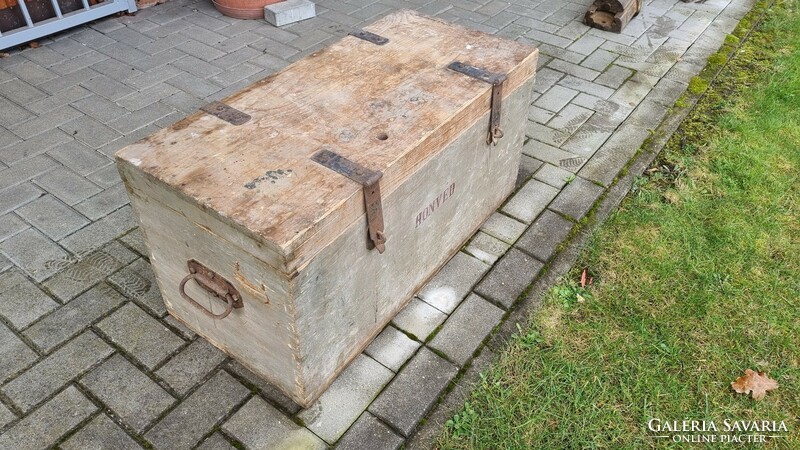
[
  {"x": 4, "y": 55},
  {"x": 755, "y": 382},
  {"x": 34, "y": 44}
]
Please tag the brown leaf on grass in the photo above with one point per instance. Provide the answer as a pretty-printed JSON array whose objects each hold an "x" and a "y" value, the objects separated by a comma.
[{"x": 755, "y": 382}]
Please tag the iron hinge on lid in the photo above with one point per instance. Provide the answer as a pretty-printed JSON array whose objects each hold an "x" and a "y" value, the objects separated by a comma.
[
  {"x": 370, "y": 182},
  {"x": 496, "y": 80},
  {"x": 227, "y": 113},
  {"x": 369, "y": 37}
]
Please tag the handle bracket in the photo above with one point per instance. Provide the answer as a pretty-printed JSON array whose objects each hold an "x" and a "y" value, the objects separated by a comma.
[{"x": 214, "y": 284}]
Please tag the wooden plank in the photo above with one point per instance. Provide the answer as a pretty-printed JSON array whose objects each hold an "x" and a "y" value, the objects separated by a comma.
[{"x": 344, "y": 98}]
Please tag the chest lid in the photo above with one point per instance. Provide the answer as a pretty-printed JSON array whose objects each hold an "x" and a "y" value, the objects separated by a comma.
[{"x": 386, "y": 107}]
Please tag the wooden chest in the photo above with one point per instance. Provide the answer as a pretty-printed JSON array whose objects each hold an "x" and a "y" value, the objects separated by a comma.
[{"x": 343, "y": 183}]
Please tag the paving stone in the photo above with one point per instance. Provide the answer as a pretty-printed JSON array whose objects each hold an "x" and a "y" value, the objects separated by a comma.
[
  {"x": 185, "y": 425},
  {"x": 587, "y": 87},
  {"x": 267, "y": 389},
  {"x": 90, "y": 131},
  {"x": 79, "y": 157},
  {"x": 138, "y": 282},
  {"x": 51, "y": 373},
  {"x": 573, "y": 69},
  {"x": 346, "y": 398},
  {"x": 529, "y": 201},
  {"x": 15, "y": 354},
  {"x": 419, "y": 319},
  {"x": 72, "y": 318},
  {"x": 140, "y": 335},
  {"x": 614, "y": 154},
  {"x": 509, "y": 278},
  {"x": 52, "y": 217},
  {"x": 216, "y": 442},
  {"x": 589, "y": 137},
  {"x": 392, "y": 348},
  {"x": 503, "y": 227},
  {"x": 614, "y": 77},
  {"x": 106, "y": 177},
  {"x": 466, "y": 329},
  {"x": 135, "y": 240},
  {"x": 189, "y": 367},
  {"x": 452, "y": 283},
  {"x": 22, "y": 302},
  {"x": 133, "y": 397},
  {"x": 11, "y": 113},
  {"x": 413, "y": 391},
  {"x": 20, "y": 92},
  {"x": 33, "y": 252},
  {"x": 6, "y": 416},
  {"x": 100, "y": 232},
  {"x": 369, "y": 432},
  {"x": 527, "y": 167},
  {"x": 36, "y": 145},
  {"x": 49, "y": 423},
  {"x": 10, "y": 224},
  {"x": 599, "y": 60},
  {"x": 104, "y": 202},
  {"x": 16, "y": 196},
  {"x": 577, "y": 198},
  {"x": 486, "y": 248},
  {"x": 58, "y": 99},
  {"x": 77, "y": 275},
  {"x": 45, "y": 121},
  {"x": 259, "y": 425},
  {"x": 100, "y": 108},
  {"x": 555, "y": 98},
  {"x": 545, "y": 235},
  {"x": 68, "y": 186},
  {"x": 101, "y": 433},
  {"x": 552, "y": 175}
]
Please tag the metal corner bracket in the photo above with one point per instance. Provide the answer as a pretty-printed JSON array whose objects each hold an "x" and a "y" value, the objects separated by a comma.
[{"x": 496, "y": 80}]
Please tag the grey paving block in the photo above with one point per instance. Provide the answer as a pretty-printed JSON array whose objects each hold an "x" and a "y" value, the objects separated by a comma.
[
  {"x": 529, "y": 201},
  {"x": 419, "y": 319},
  {"x": 142, "y": 336},
  {"x": 503, "y": 227},
  {"x": 577, "y": 198},
  {"x": 193, "y": 85},
  {"x": 108, "y": 88},
  {"x": 452, "y": 283},
  {"x": 539, "y": 115},
  {"x": 509, "y": 278},
  {"x": 78, "y": 63},
  {"x": 52, "y": 373},
  {"x": 20, "y": 92},
  {"x": 14, "y": 353},
  {"x": 49, "y": 423},
  {"x": 106, "y": 177},
  {"x": 259, "y": 425},
  {"x": 614, "y": 76},
  {"x": 135, "y": 240},
  {"x": 6, "y": 416},
  {"x": 58, "y": 99},
  {"x": 392, "y": 348},
  {"x": 185, "y": 425},
  {"x": 369, "y": 432},
  {"x": 585, "y": 86},
  {"x": 21, "y": 301},
  {"x": 150, "y": 95},
  {"x": 11, "y": 113},
  {"x": 99, "y": 233},
  {"x": 45, "y": 121},
  {"x": 589, "y": 137},
  {"x": 90, "y": 131},
  {"x": 346, "y": 398},
  {"x": 606, "y": 164},
  {"x": 11, "y": 224},
  {"x": 141, "y": 117},
  {"x": 36, "y": 145},
  {"x": 99, "y": 107},
  {"x": 72, "y": 318},
  {"x": 77, "y": 275},
  {"x": 100, "y": 433},
  {"x": 555, "y": 98},
  {"x": 138, "y": 283},
  {"x": 134, "y": 398},
  {"x": 552, "y": 175},
  {"x": 544, "y": 235},
  {"x": 527, "y": 167},
  {"x": 189, "y": 367},
  {"x": 466, "y": 329},
  {"x": 413, "y": 391},
  {"x": 104, "y": 202},
  {"x": 216, "y": 442},
  {"x": 16, "y": 196},
  {"x": 573, "y": 69},
  {"x": 25, "y": 170},
  {"x": 599, "y": 60},
  {"x": 52, "y": 217},
  {"x": 79, "y": 157},
  {"x": 33, "y": 252},
  {"x": 268, "y": 390},
  {"x": 486, "y": 248}
]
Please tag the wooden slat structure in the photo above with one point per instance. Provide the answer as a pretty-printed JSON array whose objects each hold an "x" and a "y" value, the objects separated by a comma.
[
  {"x": 612, "y": 15},
  {"x": 252, "y": 202}
]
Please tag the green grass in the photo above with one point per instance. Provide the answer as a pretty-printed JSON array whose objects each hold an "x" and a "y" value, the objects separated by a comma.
[{"x": 697, "y": 278}]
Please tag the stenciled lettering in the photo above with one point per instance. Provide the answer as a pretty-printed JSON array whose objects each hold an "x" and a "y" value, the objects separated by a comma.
[{"x": 435, "y": 204}]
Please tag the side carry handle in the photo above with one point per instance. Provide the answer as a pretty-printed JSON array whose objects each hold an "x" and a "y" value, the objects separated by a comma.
[{"x": 214, "y": 284}]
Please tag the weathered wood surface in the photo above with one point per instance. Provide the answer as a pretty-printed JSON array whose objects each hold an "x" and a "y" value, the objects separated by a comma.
[
  {"x": 305, "y": 317},
  {"x": 612, "y": 15},
  {"x": 344, "y": 98}
]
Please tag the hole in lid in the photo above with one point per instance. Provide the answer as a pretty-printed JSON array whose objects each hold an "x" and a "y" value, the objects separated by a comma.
[{"x": 382, "y": 137}]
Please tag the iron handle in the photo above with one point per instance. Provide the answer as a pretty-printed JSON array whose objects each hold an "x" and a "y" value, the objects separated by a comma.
[{"x": 215, "y": 285}]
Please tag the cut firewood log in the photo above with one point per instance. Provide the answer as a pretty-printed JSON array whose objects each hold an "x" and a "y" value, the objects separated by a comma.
[{"x": 612, "y": 15}]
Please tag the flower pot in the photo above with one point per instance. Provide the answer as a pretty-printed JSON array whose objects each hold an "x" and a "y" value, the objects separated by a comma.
[{"x": 243, "y": 9}]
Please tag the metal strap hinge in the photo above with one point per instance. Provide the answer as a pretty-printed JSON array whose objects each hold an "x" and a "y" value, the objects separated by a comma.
[
  {"x": 370, "y": 181},
  {"x": 496, "y": 80},
  {"x": 369, "y": 37},
  {"x": 227, "y": 113}
]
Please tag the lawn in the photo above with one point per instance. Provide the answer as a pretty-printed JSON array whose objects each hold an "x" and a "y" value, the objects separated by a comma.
[{"x": 696, "y": 278}]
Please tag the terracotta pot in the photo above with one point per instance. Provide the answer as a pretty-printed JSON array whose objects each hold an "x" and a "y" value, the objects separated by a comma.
[{"x": 243, "y": 9}]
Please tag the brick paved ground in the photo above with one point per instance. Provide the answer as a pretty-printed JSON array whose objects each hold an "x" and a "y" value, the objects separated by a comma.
[{"x": 89, "y": 356}]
